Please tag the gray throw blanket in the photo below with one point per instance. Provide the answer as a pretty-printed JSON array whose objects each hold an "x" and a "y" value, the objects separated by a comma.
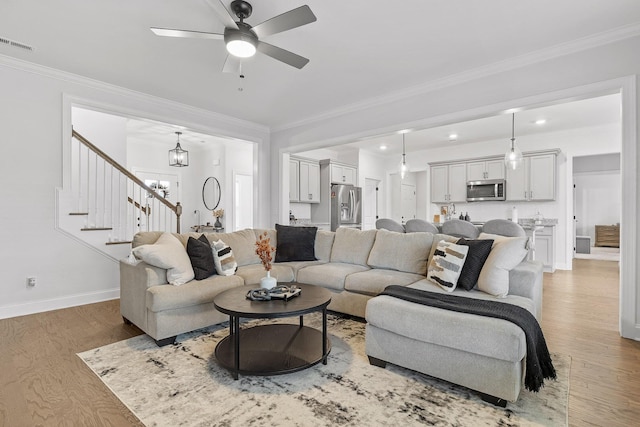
[{"x": 538, "y": 364}]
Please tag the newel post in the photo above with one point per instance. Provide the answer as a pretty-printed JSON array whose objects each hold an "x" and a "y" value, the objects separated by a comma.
[{"x": 178, "y": 213}]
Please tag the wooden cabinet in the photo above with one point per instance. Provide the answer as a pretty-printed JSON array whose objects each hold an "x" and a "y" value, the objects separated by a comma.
[
  {"x": 294, "y": 180},
  {"x": 485, "y": 169},
  {"x": 304, "y": 180},
  {"x": 343, "y": 174},
  {"x": 608, "y": 235},
  {"x": 309, "y": 182},
  {"x": 535, "y": 179},
  {"x": 449, "y": 183}
]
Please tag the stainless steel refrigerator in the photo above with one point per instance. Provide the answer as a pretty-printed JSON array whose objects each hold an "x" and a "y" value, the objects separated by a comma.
[{"x": 346, "y": 206}]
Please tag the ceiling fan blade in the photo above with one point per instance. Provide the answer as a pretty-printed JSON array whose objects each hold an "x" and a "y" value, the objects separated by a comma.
[
  {"x": 294, "y": 18},
  {"x": 282, "y": 55},
  {"x": 223, "y": 14},
  {"x": 231, "y": 65},
  {"x": 169, "y": 32}
]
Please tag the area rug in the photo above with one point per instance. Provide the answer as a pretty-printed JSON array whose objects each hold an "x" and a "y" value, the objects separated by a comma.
[{"x": 182, "y": 385}]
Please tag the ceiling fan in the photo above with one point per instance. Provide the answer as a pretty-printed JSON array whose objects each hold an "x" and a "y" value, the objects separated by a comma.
[{"x": 242, "y": 40}]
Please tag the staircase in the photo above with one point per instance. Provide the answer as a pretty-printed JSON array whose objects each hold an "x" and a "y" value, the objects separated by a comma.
[{"x": 106, "y": 205}]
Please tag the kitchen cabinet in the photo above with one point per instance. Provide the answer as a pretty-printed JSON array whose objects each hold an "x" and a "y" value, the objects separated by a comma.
[
  {"x": 535, "y": 179},
  {"x": 304, "y": 180},
  {"x": 309, "y": 182},
  {"x": 485, "y": 169},
  {"x": 294, "y": 180},
  {"x": 449, "y": 183},
  {"x": 544, "y": 247},
  {"x": 343, "y": 174}
]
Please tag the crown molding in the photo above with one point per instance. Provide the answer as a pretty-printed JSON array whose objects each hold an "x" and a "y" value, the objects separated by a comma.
[
  {"x": 562, "y": 49},
  {"x": 65, "y": 76}
]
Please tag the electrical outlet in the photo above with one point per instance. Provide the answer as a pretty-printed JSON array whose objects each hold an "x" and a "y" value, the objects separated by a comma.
[{"x": 31, "y": 281}]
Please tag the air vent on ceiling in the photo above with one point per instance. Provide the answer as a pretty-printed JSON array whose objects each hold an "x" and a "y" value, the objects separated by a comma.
[{"x": 15, "y": 44}]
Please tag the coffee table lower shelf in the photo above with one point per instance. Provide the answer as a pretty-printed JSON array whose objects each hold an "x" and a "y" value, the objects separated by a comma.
[{"x": 273, "y": 349}]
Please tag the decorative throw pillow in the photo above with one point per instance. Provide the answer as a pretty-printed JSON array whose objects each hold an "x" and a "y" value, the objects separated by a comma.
[
  {"x": 446, "y": 264},
  {"x": 506, "y": 253},
  {"x": 226, "y": 264},
  {"x": 167, "y": 252},
  {"x": 201, "y": 256},
  {"x": 476, "y": 257},
  {"x": 295, "y": 243}
]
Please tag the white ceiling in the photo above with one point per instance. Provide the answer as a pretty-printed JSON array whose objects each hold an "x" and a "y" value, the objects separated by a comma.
[{"x": 358, "y": 49}]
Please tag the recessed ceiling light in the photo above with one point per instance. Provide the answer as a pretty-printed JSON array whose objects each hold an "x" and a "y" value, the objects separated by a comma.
[
  {"x": 383, "y": 147},
  {"x": 540, "y": 122},
  {"x": 453, "y": 136}
]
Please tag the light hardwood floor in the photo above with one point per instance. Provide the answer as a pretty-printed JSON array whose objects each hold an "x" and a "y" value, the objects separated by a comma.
[{"x": 44, "y": 383}]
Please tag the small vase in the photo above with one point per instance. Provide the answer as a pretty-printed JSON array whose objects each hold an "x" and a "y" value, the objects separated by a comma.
[
  {"x": 268, "y": 282},
  {"x": 217, "y": 224}
]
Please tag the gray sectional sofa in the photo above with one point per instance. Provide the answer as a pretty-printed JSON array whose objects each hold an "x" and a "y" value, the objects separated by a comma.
[{"x": 483, "y": 354}]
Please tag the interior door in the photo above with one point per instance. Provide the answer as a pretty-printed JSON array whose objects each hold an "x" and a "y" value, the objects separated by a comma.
[
  {"x": 243, "y": 202},
  {"x": 408, "y": 201},
  {"x": 370, "y": 203},
  {"x": 166, "y": 185}
]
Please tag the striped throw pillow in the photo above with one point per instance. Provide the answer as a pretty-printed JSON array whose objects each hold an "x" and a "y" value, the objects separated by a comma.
[
  {"x": 226, "y": 264},
  {"x": 446, "y": 264}
]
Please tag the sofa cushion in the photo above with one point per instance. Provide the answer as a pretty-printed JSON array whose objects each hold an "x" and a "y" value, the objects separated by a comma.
[
  {"x": 166, "y": 297},
  {"x": 401, "y": 251},
  {"x": 475, "y": 334},
  {"x": 254, "y": 272},
  {"x": 223, "y": 258},
  {"x": 167, "y": 252},
  {"x": 323, "y": 245},
  {"x": 331, "y": 275},
  {"x": 201, "y": 257},
  {"x": 352, "y": 246},
  {"x": 438, "y": 238},
  {"x": 506, "y": 253},
  {"x": 295, "y": 243},
  {"x": 374, "y": 281},
  {"x": 476, "y": 257},
  {"x": 243, "y": 244},
  {"x": 446, "y": 265}
]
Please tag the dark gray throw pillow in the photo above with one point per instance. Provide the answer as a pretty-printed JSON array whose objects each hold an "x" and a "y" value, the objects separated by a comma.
[
  {"x": 476, "y": 257},
  {"x": 201, "y": 257},
  {"x": 295, "y": 243}
]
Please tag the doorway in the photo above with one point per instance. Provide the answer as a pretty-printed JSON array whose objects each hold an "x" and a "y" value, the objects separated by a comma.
[
  {"x": 597, "y": 206},
  {"x": 242, "y": 201}
]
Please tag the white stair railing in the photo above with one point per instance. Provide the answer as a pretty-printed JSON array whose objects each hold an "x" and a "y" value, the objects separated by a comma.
[{"x": 113, "y": 199}]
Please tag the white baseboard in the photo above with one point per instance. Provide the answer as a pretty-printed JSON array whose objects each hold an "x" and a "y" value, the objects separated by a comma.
[{"x": 58, "y": 303}]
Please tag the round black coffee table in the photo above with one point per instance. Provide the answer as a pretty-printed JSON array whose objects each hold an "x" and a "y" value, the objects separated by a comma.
[{"x": 273, "y": 348}]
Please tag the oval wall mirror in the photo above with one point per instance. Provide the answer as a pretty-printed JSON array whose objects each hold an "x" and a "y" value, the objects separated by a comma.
[{"x": 211, "y": 193}]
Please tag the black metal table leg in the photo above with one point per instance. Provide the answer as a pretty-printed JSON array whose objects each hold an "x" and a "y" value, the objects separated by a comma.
[
  {"x": 236, "y": 328},
  {"x": 301, "y": 322},
  {"x": 324, "y": 336}
]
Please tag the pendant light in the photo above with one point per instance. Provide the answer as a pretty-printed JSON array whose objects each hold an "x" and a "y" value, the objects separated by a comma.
[
  {"x": 178, "y": 157},
  {"x": 513, "y": 157},
  {"x": 404, "y": 168}
]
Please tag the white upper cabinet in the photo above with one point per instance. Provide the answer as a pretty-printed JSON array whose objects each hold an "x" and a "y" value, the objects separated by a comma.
[
  {"x": 449, "y": 183},
  {"x": 485, "y": 169},
  {"x": 294, "y": 180},
  {"x": 309, "y": 182},
  {"x": 304, "y": 181},
  {"x": 535, "y": 179},
  {"x": 343, "y": 174}
]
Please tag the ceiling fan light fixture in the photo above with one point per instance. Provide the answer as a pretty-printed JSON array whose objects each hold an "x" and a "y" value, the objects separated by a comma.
[{"x": 241, "y": 43}]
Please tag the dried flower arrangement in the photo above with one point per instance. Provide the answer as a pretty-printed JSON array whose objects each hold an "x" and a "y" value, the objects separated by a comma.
[
  {"x": 219, "y": 213},
  {"x": 264, "y": 250}
]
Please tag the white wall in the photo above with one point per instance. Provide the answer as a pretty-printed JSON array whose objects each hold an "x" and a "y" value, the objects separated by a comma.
[
  {"x": 36, "y": 111},
  {"x": 529, "y": 81}
]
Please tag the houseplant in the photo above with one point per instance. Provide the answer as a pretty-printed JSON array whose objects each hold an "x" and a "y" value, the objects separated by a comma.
[{"x": 264, "y": 250}]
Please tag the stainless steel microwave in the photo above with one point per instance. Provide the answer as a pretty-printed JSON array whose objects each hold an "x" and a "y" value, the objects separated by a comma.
[{"x": 486, "y": 190}]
